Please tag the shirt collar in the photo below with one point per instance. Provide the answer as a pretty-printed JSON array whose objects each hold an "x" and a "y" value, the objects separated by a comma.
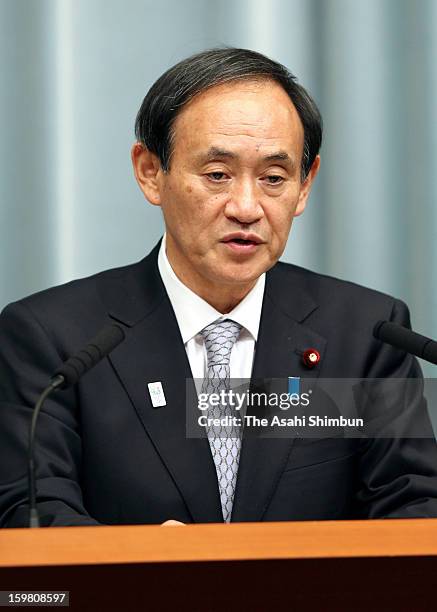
[{"x": 193, "y": 313}]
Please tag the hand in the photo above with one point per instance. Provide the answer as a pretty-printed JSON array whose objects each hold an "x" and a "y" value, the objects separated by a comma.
[{"x": 172, "y": 523}]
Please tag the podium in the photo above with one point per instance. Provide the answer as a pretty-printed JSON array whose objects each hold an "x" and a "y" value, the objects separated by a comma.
[{"x": 334, "y": 565}]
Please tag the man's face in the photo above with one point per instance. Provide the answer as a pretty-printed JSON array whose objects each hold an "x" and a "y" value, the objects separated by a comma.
[{"x": 234, "y": 184}]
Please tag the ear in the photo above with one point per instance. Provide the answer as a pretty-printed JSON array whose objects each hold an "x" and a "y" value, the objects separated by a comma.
[
  {"x": 305, "y": 188},
  {"x": 147, "y": 169}
]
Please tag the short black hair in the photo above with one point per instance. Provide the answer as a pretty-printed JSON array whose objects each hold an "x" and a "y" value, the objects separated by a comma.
[{"x": 178, "y": 85}]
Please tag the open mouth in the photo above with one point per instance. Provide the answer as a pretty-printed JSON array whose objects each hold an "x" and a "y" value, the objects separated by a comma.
[
  {"x": 242, "y": 241},
  {"x": 242, "y": 245}
]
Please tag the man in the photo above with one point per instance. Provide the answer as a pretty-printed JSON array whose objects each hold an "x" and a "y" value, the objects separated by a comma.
[{"x": 228, "y": 147}]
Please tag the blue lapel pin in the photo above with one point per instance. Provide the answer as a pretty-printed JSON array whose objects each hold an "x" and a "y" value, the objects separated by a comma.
[{"x": 293, "y": 385}]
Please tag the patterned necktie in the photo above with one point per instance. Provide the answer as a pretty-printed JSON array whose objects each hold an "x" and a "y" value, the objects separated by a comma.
[{"x": 225, "y": 442}]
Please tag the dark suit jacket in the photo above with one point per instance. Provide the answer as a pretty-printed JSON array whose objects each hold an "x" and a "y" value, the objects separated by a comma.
[{"x": 105, "y": 455}]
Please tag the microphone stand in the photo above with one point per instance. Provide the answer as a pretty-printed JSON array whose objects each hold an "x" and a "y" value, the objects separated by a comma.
[
  {"x": 67, "y": 375},
  {"x": 56, "y": 382}
]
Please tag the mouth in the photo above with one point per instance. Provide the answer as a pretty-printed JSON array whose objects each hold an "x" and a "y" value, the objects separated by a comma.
[{"x": 242, "y": 243}]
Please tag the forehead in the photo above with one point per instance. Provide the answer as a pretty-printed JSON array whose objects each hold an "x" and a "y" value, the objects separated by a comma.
[{"x": 248, "y": 116}]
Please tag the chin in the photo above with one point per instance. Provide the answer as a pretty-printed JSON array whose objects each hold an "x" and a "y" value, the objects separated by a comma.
[{"x": 239, "y": 276}]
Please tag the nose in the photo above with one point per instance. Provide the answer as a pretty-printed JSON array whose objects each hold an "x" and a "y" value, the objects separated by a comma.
[{"x": 244, "y": 206}]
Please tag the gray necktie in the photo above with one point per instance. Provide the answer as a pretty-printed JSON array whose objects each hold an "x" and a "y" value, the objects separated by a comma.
[{"x": 225, "y": 442}]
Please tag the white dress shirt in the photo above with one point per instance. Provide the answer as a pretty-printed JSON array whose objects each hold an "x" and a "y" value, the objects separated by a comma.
[{"x": 193, "y": 314}]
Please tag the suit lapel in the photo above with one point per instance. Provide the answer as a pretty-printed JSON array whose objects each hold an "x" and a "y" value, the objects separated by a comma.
[
  {"x": 281, "y": 340},
  {"x": 153, "y": 351}
]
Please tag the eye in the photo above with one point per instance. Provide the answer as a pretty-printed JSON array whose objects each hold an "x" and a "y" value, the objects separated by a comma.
[
  {"x": 274, "y": 179},
  {"x": 216, "y": 176}
]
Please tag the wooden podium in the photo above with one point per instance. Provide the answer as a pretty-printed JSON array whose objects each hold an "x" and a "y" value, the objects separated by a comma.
[{"x": 345, "y": 565}]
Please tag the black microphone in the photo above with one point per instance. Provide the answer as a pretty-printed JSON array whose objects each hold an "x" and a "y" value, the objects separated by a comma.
[
  {"x": 67, "y": 375},
  {"x": 405, "y": 339},
  {"x": 101, "y": 345}
]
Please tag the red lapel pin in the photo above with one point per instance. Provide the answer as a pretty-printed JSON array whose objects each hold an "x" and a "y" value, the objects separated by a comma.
[{"x": 311, "y": 357}]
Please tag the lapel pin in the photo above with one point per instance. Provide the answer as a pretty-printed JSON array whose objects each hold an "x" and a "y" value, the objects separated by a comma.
[
  {"x": 293, "y": 385},
  {"x": 157, "y": 394},
  {"x": 311, "y": 357}
]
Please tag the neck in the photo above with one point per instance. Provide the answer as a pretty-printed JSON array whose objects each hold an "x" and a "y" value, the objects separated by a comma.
[
  {"x": 224, "y": 301},
  {"x": 223, "y": 297}
]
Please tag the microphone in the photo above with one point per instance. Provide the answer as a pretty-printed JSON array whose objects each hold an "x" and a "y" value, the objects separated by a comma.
[
  {"x": 405, "y": 339},
  {"x": 65, "y": 376},
  {"x": 101, "y": 345}
]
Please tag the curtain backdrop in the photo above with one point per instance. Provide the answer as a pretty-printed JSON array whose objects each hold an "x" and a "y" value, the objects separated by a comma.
[{"x": 74, "y": 73}]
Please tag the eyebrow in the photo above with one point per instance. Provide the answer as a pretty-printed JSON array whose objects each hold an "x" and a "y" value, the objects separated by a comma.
[{"x": 217, "y": 152}]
